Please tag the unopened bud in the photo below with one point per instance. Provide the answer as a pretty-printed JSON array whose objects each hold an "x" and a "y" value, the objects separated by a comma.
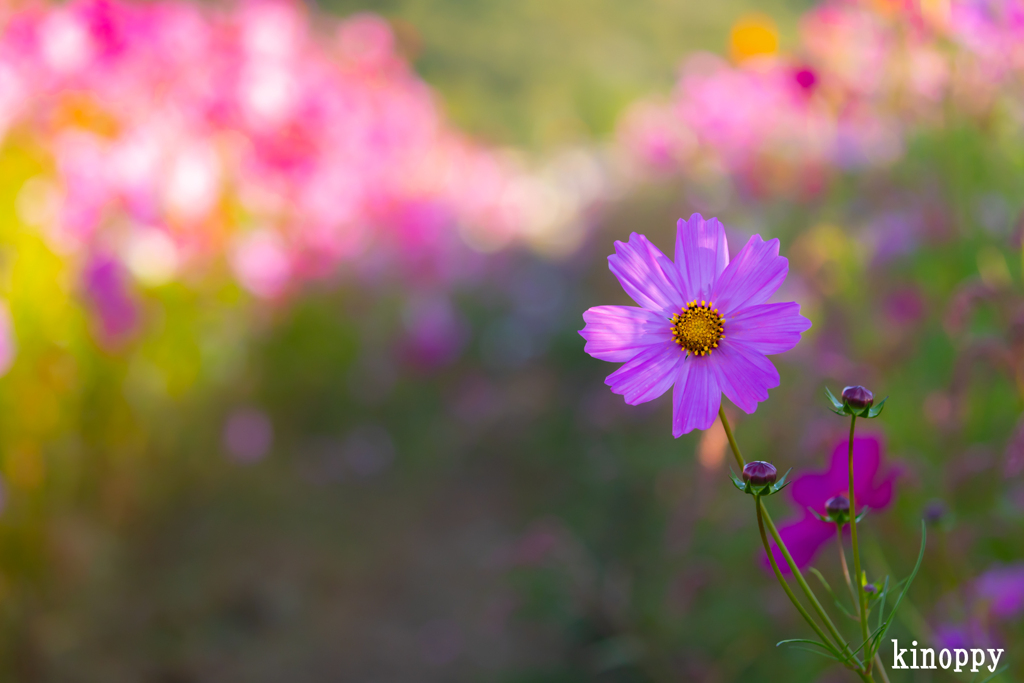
[
  {"x": 759, "y": 473},
  {"x": 858, "y": 397},
  {"x": 837, "y": 504},
  {"x": 838, "y": 509}
]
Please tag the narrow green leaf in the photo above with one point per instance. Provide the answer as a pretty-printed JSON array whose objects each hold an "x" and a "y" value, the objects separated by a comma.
[
  {"x": 832, "y": 652},
  {"x": 819, "y": 653},
  {"x": 870, "y": 652},
  {"x": 828, "y": 589},
  {"x": 881, "y": 601}
]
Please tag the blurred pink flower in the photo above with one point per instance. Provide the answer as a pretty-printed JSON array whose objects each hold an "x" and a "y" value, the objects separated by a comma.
[
  {"x": 435, "y": 332},
  {"x": 1002, "y": 589},
  {"x": 262, "y": 263},
  {"x": 249, "y": 135},
  {"x": 873, "y": 485},
  {"x": 752, "y": 114},
  {"x": 657, "y": 137},
  {"x": 113, "y": 305}
]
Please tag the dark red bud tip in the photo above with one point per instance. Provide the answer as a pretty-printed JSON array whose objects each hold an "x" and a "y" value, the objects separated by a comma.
[
  {"x": 858, "y": 397},
  {"x": 837, "y": 505},
  {"x": 759, "y": 473}
]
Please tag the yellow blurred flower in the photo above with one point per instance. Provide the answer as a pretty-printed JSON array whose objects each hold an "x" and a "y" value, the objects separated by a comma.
[{"x": 754, "y": 35}]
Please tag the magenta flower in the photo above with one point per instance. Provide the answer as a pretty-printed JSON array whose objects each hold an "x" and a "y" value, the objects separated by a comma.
[
  {"x": 702, "y": 326},
  {"x": 113, "y": 305},
  {"x": 810, "y": 492}
]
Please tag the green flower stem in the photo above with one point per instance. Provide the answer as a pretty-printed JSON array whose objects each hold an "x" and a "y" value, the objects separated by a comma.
[
  {"x": 839, "y": 640},
  {"x": 842, "y": 563},
  {"x": 908, "y": 615},
  {"x": 857, "y": 574},
  {"x": 846, "y": 574},
  {"x": 881, "y": 669},
  {"x": 778, "y": 573},
  {"x": 732, "y": 440},
  {"x": 854, "y": 664}
]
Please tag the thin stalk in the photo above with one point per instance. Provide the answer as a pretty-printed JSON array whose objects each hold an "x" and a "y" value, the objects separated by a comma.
[
  {"x": 839, "y": 640},
  {"x": 842, "y": 563},
  {"x": 881, "y": 669},
  {"x": 861, "y": 595},
  {"x": 846, "y": 574},
  {"x": 732, "y": 440},
  {"x": 778, "y": 573}
]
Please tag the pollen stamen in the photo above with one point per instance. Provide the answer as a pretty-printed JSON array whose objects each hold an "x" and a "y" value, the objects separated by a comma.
[{"x": 698, "y": 328}]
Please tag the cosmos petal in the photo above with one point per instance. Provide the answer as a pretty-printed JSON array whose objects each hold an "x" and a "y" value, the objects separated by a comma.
[
  {"x": 648, "y": 375},
  {"x": 769, "y": 328},
  {"x": 702, "y": 254},
  {"x": 813, "y": 489},
  {"x": 803, "y": 539},
  {"x": 743, "y": 373},
  {"x": 696, "y": 396},
  {"x": 639, "y": 267},
  {"x": 618, "y": 333},
  {"x": 752, "y": 277}
]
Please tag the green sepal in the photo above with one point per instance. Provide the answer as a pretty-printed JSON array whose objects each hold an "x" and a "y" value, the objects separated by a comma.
[
  {"x": 820, "y": 517},
  {"x": 837, "y": 404},
  {"x": 876, "y": 410},
  {"x": 764, "y": 491},
  {"x": 841, "y": 407},
  {"x": 780, "y": 483},
  {"x": 844, "y": 521}
]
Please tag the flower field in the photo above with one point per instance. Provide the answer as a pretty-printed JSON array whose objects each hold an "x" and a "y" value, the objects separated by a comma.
[{"x": 312, "y": 365}]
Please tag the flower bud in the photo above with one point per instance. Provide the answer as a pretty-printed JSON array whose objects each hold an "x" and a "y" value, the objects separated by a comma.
[
  {"x": 837, "y": 505},
  {"x": 858, "y": 397},
  {"x": 759, "y": 473},
  {"x": 838, "y": 509},
  {"x": 870, "y": 588},
  {"x": 935, "y": 511}
]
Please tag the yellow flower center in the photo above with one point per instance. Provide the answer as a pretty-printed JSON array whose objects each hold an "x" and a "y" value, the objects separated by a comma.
[{"x": 699, "y": 328}]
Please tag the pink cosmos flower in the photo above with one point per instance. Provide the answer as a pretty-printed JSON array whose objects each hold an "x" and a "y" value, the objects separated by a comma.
[
  {"x": 703, "y": 324},
  {"x": 1002, "y": 587},
  {"x": 115, "y": 309},
  {"x": 810, "y": 491}
]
